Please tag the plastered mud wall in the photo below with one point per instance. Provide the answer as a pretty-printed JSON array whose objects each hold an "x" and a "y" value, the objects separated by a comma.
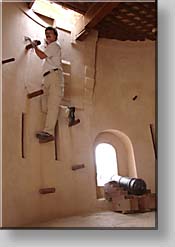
[
  {"x": 102, "y": 77},
  {"x": 124, "y": 100}
]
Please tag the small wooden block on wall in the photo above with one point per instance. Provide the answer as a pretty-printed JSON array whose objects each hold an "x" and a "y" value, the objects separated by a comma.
[
  {"x": 76, "y": 167},
  {"x": 47, "y": 190},
  {"x": 34, "y": 94}
]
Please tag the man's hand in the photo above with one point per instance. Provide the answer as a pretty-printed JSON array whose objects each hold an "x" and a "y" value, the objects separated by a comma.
[{"x": 34, "y": 43}]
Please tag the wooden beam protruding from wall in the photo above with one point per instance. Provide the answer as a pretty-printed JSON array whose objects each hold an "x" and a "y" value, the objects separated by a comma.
[
  {"x": 35, "y": 93},
  {"x": 8, "y": 60},
  {"x": 93, "y": 16},
  {"x": 47, "y": 190},
  {"x": 76, "y": 167}
]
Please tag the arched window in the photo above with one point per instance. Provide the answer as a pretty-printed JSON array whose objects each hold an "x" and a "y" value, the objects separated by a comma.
[{"x": 106, "y": 163}]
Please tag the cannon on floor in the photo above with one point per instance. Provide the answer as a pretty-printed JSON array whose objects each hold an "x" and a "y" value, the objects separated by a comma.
[
  {"x": 129, "y": 195},
  {"x": 135, "y": 186}
]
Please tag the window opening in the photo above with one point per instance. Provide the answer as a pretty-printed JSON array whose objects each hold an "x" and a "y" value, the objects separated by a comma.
[
  {"x": 64, "y": 18},
  {"x": 106, "y": 163}
]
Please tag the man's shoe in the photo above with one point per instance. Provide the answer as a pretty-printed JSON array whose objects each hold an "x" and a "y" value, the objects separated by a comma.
[
  {"x": 71, "y": 117},
  {"x": 44, "y": 137}
]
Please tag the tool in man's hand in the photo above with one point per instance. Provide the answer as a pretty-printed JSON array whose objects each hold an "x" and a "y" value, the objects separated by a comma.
[{"x": 32, "y": 44}]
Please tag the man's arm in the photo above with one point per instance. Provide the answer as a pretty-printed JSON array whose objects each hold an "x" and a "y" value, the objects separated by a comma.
[{"x": 40, "y": 53}]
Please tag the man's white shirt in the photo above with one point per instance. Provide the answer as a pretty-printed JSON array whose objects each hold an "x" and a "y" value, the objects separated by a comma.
[{"x": 53, "y": 59}]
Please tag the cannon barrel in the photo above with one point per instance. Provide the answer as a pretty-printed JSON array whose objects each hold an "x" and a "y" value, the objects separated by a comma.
[{"x": 135, "y": 186}]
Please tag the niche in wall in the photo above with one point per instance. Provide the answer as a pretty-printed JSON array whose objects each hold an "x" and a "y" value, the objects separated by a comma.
[{"x": 121, "y": 153}]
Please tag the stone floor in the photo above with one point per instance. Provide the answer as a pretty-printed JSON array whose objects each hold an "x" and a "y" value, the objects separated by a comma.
[{"x": 104, "y": 219}]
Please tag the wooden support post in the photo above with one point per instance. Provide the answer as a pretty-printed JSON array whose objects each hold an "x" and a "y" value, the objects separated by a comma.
[
  {"x": 153, "y": 139},
  {"x": 56, "y": 142},
  {"x": 22, "y": 135}
]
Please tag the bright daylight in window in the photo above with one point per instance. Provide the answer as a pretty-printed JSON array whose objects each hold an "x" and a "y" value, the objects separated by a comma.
[
  {"x": 64, "y": 18},
  {"x": 106, "y": 163}
]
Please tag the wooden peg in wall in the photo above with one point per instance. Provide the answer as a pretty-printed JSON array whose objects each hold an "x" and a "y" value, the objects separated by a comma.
[
  {"x": 76, "y": 167},
  {"x": 8, "y": 60},
  {"x": 47, "y": 190},
  {"x": 135, "y": 97},
  {"x": 34, "y": 94}
]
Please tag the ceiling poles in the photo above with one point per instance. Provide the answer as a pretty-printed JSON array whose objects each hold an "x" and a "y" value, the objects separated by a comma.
[{"x": 93, "y": 16}]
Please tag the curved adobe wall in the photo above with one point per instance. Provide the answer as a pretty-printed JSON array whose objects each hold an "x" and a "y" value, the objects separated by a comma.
[
  {"x": 123, "y": 69},
  {"x": 24, "y": 177}
]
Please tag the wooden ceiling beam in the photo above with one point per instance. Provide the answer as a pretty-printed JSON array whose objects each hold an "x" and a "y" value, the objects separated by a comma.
[
  {"x": 93, "y": 16},
  {"x": 81, "y": 9},
  {"x": 30, "y": 4},
  {"x": 97, "y": 12}
]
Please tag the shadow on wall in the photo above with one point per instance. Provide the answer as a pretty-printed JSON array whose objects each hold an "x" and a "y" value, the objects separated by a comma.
[{"x": 124, "y": 149}]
